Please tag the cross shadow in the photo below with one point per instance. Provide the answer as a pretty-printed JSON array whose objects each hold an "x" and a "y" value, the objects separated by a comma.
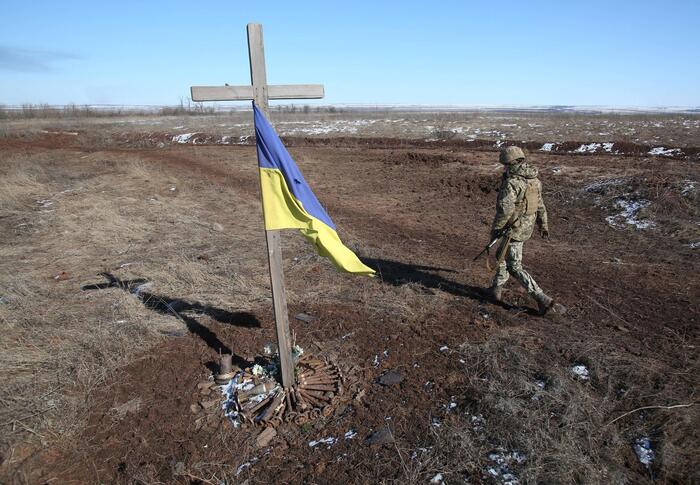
[
  {"x": 396, "y": 273},
  {"x": 176, "y": 306}
]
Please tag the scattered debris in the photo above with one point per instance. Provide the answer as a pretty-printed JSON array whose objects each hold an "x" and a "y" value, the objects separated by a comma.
[
  {"x": 264, "y": 438},
  {"x": 644, "y": 450},
  {"x": 391, "y": 378},
  {"x": 255, "y": 396},
  {"x": 581, "y": 371},
  {"x": 305, "y": 317},
  {"x": 381, "y": 437},
  {"x": 444, "y": 348},
  {"x": 62, "y": 276},
  {"x": 547, "y": 147},
  {"x": 375, "y": 362}
]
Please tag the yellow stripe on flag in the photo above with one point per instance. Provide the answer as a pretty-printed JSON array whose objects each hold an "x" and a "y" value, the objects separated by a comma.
[{"x": 283, "y": 211}]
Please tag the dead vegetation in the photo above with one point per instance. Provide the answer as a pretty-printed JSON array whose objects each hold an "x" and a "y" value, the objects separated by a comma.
[
  {"x": 110, "y": 255},
  {"x": 558, "y": 424}
]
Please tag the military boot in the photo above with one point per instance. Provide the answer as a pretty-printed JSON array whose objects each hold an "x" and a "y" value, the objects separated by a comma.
[
  {"x": 544, "y": 303},
  {"x": 496, "y": 293}
]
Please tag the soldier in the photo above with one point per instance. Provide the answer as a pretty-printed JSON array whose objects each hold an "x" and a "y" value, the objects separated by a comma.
[{"x": 520, "y": 202}]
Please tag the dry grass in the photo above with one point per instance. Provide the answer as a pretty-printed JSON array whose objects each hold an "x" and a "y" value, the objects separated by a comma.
[
  {"x": 563, "y": 430},
  {"x": 59, "y": 342}
]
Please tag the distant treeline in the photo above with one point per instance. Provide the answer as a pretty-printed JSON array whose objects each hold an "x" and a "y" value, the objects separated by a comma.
[{"x": 185, "y": 108}]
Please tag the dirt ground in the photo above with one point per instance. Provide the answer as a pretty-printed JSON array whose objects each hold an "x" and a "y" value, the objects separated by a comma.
[{"x": 126, "y": 269}]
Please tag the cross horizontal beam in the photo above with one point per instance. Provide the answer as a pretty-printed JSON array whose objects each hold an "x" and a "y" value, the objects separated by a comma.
[{"x": 238, "y": 93}]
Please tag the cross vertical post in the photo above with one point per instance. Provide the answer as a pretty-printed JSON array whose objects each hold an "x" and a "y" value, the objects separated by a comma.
[
  {"x": 260, "y": 92},
  {"x": 258, "y": 78}
]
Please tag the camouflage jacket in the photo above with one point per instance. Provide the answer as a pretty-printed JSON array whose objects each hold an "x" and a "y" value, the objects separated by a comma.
[{"x": 520, "y": 196}]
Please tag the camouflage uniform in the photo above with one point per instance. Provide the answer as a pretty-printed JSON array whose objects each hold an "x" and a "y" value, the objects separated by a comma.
[{"x": 520, "y": 197}]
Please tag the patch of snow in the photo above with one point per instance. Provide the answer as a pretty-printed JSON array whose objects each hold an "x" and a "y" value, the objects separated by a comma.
[
  {"x": 435, "y": 422},
  {"x": 375, "y": 362},
  {"x": 608, "y": 146},
  {"x": 444, "y": 348},
  {"x": 71, "y": 133},
  {"x": 601, "y": 185},
  {"x": 689, "y": 186},
  {"x": 547, "y": 147},
  {"x": 629, "y": 212},
  {"x": 142, "y": 287},
  {"x": 581, "y": 371},
  {"x": 245, "y": 465},
  {"x": 184, "y": 138},
  {"x": 694, "y": 245},
  {"x": 45, "y": 202},
  {"x": 350, "y": 434},
  {"x": 478, "y": 422},
  {"x": 503, "y": 461},
  {"x": 643, "y": 449},
  {"x": 556, "y": 170},
  {"x": 540, "y": 383},
  {"x": 437, "y": 479},
  {"x": 590, "y": 148},
  {"x": 666, "y": 152},
  {"x": 330, "y": 441}
]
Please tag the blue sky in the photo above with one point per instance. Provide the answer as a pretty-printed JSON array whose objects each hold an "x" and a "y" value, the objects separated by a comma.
[{"x": 619, "y": 53}]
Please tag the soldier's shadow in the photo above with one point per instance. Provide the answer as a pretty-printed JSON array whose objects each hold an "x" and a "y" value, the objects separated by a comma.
[
  {"x": 177, "y": 307},
  {"x": 396, "y": 273}
]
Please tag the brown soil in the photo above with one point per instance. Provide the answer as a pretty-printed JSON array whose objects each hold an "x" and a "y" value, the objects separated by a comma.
[{"x": 418, "y": 213}]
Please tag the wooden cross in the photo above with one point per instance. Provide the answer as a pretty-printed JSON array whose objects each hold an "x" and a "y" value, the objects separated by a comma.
[{"x": 260, "y": 92}]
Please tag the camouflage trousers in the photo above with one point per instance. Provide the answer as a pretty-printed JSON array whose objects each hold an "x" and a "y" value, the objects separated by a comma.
[{"x": 513, "y": 265}]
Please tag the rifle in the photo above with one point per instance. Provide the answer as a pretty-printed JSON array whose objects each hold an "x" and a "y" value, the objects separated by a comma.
[{"x": 501, "y": 232}]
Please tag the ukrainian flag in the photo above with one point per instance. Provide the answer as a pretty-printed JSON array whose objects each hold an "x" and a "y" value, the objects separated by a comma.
[{"x": 289, "y": 203}]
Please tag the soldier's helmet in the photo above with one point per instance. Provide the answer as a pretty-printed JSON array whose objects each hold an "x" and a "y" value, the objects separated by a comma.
[{"x": 510, "y": 155}]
